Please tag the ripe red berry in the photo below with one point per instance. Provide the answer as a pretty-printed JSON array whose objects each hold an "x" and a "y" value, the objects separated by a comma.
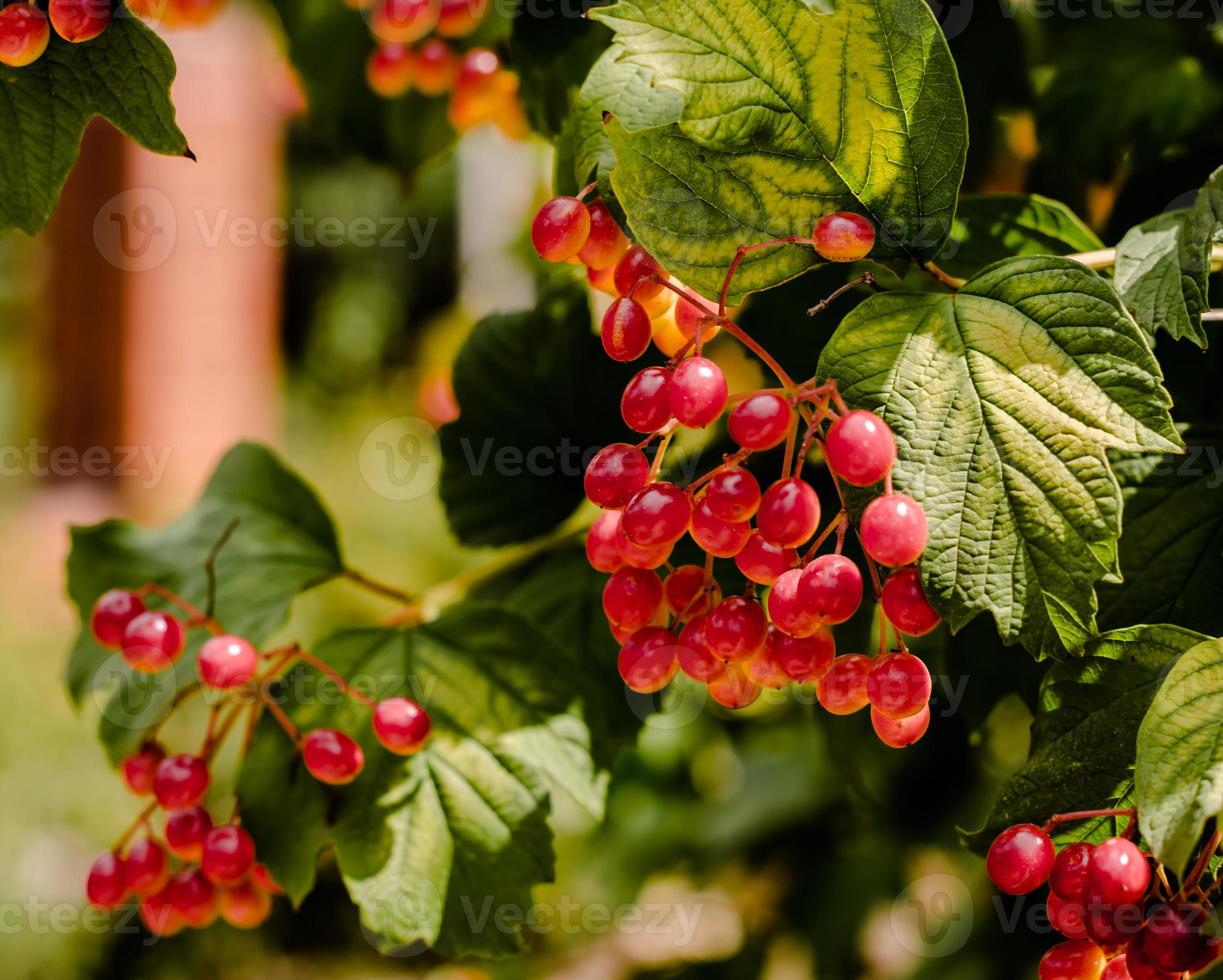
[
  {"x": 860, "y": 448},
  {"x": 831, "y": 588},
  {"x": 631, "y": 271},
  {"x": 631, "y": 598},
  {"x": 733, "y": 688},
  {"x": 695, "y": 658},
  {"x": 646, "y": 403},
  {"x": 145, "y": 868},
  {"x": 1118, "y": 871},
  {"x": 113, "y": 611},
  {"x": 244, "y": 905},
  {"x": 1172, "y": 938},
  {"x": 900, "y": 733},
  {"x": 760, "y": 422},
  {"x": 186, "y": 830},
  {"x": 1066, "y": 917},
  {"x": 226, "y": 661},
  {"x": 626, "y": 330},
  {"x": 106, "y": 885},
  {"x": 688, "y": 317},
  {"x": 228, "y": 854},
  {"x": 736, "y": 628},
  {"x": 606, "y": 244},
  {"x": 1107, "y": 924},
  {"x": 720, "y": 538},
  {"x": 602, "y": 549},
  {"x": 899, "y": 685},
  {"x": 401, "y": 725},
  {"x": 804, "y": 659},
  {"x": 152, "y": 641},
  {"x": 389, "y": 69},
  {"x": 560, "y": 229},
  {"x": 637, "y": 557},
  {"x": 843, "y": 236},
  {"x": 688, "y": 593},
  {"x": 905, "y": 605},
  {"x": 180, "y": 781},
  {"x": 435, "y": 67},
  {"x": 458, "y": 18},
  {"x": 1117, "y": 969},
  {"x": 24, "y": 34},
  {"x": 1020, "y": 859},
  {"x": 761, "y": 562},
  {"x": 649, "y": 660},
  {"x": 1068, "y": 878},
  {"x": 764, "y": 669},
  {"x": 404, "y": 21},
  {"x": 194, "y": 897},
  {"x": 332, "y": 757},
  {"x": 789, "y": 513},
  {"x": 842, "y": 689},
  {"x": 616, "y": 473},
  {"x": 657, "y": 515},
  {"x": 787, "y": 610},
  {"x": 139, "y": 768},
  {"x": 158, "y": 914},
  {"x": 894, "y": 530},
  {"x": 1138, "y": 965},
  {"x": 698, "y": 392},
  {"x": 733, "y": 495},
  {"x": 1078, "y": 959},
  {"x": 262, "y": 877}
]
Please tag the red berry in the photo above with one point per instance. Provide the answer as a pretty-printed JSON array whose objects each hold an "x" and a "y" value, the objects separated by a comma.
[
  {"x": 899, "y": 685},
  {"x": 145, "y": 867},
  {"x": 695, "y": 658},
  {"x": 226, "y": 661},
  {"x": 106, "y": 885},
  {"x": 860, "y": 448},
  {"x": 389, "y": 69},
  {"x": 139, "y": 769},
  {"x": 244, "y": 905},
  {"x": 646, "y": 403},
  {"x": 152, "y": 641},
  {"x": 602, "y": 550},
  {"x": 843, "y": 236},
  {"x": 606, "y": 244},
  {"x": 180, "y": 781},
  {"x": 905, "y": 605},
  {"x": 720, "y": 538},
  {"x": 1066, "y": 916},
  {"x": 1172, "y": 939},
  {"x": 760, "y": 422},
  {"x": 842, "y": 689},
  {"x": 688, "y": 593},
  {"x": 649, "y": 660},
  {"x": 631, "y": 598},
  {"x": 186, "y": 830},
  {"x": 789, "y": 513},
  {"x": 560, "y": 229},
  {"x": 657, "y": 515},
  {"x": 24, "y": 34},
  {"x": 158, "y": 914},
  {"x": 733, "y": 688},
  {"x": 1068, "y": 878},
  {"x": 1118, "y": 871},
  {"x": 1079, "y": 959},
  {"x": 633, "y": 269},
  {"x": 401, "y": 725},
  {"x": 193, "y": 897},
  {"x": 1109, "y": 925},
  {"x": 435, "y": 67},
  {"x": 787, "y": 611},
  {"x": 113, "y": 611},
  {"x": 626, "y": 330},
  {"x": 1020, "y": 859},
  {"x": 736, "y": 628},
  {"x": 1116, "y": 969},
  {"x": 761, "y": 562},
  {"x": 616, "y": 473},
  {"x": 404, "y": 21},
  {"x": 831, "y": 588},
  {"x": 637, "y": 557},
  {"x": 733, "y": 495},
  {"x": 894, "y": 530},
  {"x": 764, "y": 669},
  {"x": 228, "y": 854},
  {"x": 804, "y": 659},
  {"x": 698, "y": 392},
  {"x": 262, "y": 877},
  {"x": 688, "y": 317},
  {"x": 458, "y": 18},
  {"x": 1138, "y": 964},
  {"x": 900, "y": 733},
  {"x": 332, "y": 757}
]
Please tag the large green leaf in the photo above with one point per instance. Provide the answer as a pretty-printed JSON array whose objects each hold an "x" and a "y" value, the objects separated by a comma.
[
  {"x": 1083, "y": 739},
  {"x": 734, "y": 123},
  {"x": 283, "y": 543},
  {"x": 124, "y": 75},
  {"x": 1163, "y": 265},
  {"x": 1178, "y": 775},
  {"x": 1004, "y": 397},
  {"x": 426, "y": 844}
]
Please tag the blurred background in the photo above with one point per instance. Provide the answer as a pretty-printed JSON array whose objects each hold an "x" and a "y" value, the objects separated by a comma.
[{"x": 161, "y": 317}]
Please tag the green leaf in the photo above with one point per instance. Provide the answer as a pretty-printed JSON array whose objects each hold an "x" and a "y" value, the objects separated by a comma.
[
  {"x": 1163, "y": 265},
  {"x": 1083, "y": 738},
  {"x": 283, "y": 543},
  {"x": 431, "y": 847},
  {"x": 1004, "y": 397},
  {"x": 736, "y": 123},
  {"x": 124, "y": 76},
  {"x": 526, "y": 382},
  {"x": 1178, "y": 775}
]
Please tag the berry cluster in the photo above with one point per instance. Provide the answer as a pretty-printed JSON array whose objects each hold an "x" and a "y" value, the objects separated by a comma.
[
  {"x": 195, "y": 870},
  {"x": 739, "y": 644},
  {"x": 25, "y": 29},
  {"x": 1104, "y": 898}
]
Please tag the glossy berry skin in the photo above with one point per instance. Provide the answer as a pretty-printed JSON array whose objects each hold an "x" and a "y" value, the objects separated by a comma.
[
  {"x": 760, "y": 422},
  {"x": 736, "y": 628},
  {"x": 632, "y": 271},
  {"x": 145, "y": 868},
  {"x": 698, "y": 392},
  {"x": 900, "y": 733},
  {"x": 789, "y": 513},
  {"x": 1066, "y": 917},
  {"x": 332, "y": 757},
  {"x": 152, "y": 641},
  {"x": 226, "y": 661},
  {"x": 720, "y": 538},
  {"x": 646, "y": 403},
  {"x": 894, "y": 530},
  {"x": 139, "y": 769},
  {"x": 560, "y": 229},
  {"x": 657, "y": 515},
  {"x": 649, "y": 660},
  {"x": 24, "y": 34},
  {"x": 186, "y": 830},
  {"x": 244, "y": 905},
  {"x": 631, "y": 598},
  {"x": 602, "y": 280},
  {"x": 1068, "y": 879},
  {"x": 1078, "y": 959},
  {"x": 831, "y": 587},
  {"x": 899, "y": 685},
  {"x": 606, "y": 244},
  {"x": 194, "y": 897},
  {"x": 1139, "y": 966},
  {"x": 106, "y": 885},
  {"x": 764, "y": 669},
  {"x": 787, "y": 611},
  {"x": 228, "y": 854},
  {"x": 1117, "y": 969},
  {"x": 389, "y": 70},
  {"x": 804, "y": 659},
  {"x": 733, "y": 495},
  {"x": 404, "y": 21},
  {"x": 625, "y": 330},
  {"x": 159, "y": 916},
  {"x": 1020, "y": 859},
  {"x": 842, "y": 689},
  {"x": 602, "y": 550},
  {"x": 181, "y": 781},
  {"x": 733, "y": 689},
  {"x": 435, "y": 67},
  {"x": 860, "y": 448},
  {"x": 1172, "y": 939},
  {"x": 616, "y": 473},
  {"x": 843, "y": 236},
  {"x": 905, "y": 604},
  {"x": 1118, "y": 871},
  {"x": 688, "y": 594},
  {"x": 637, "y": 557},
  {"x": 761, "y": 562},
  {"x": 695, "y": 658},
  {"x": 688, "y": 317},
  {"x": 401, "y": 725},
  {"x": 112, "y": 612}
]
